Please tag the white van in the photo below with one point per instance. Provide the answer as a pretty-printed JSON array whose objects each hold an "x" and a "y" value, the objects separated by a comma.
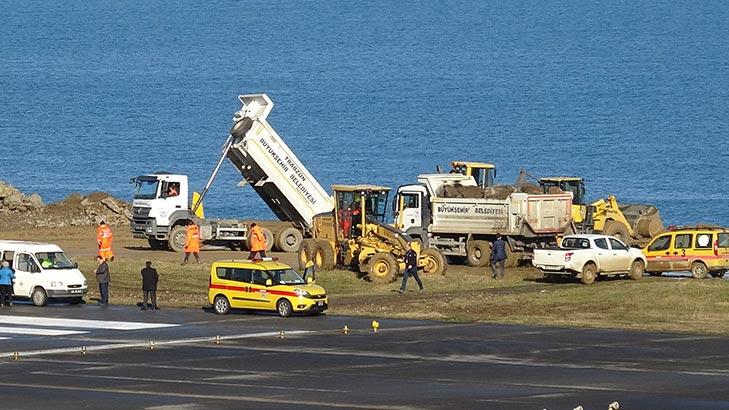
[{"x": 43, "y": 271}]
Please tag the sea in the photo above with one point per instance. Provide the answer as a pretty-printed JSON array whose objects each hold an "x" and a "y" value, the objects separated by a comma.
[{"x": 631, "y": 95}]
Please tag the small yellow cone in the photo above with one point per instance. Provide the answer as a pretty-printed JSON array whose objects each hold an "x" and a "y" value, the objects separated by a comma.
[
  {"x": 217, "y": 340},
  {"x": 83, "y": 350},
  {"x": 375, "y": 325},
  {"x": 345, "y": 330},
  {"x": 281, "y": 335}
]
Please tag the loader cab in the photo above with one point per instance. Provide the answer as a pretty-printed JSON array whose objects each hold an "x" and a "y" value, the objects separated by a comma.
[
  {"x": 355, "y": 205},
  {"x": 576, "y": 185},
  {"x": 483, "y": 173}
]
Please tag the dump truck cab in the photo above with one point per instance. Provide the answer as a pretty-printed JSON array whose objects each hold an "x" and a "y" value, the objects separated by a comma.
[{"x": 483, "y": 173}]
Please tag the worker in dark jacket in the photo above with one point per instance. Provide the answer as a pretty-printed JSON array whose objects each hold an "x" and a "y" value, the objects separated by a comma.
[
  {"x": 411, "y": 268},
  {"x": 149, "y": 286},
  {"x": 103, "y": 277},
  {"x": 498, "y": 257}
]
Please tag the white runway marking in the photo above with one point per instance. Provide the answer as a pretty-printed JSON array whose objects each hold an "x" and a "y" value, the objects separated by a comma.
[
  {"x": 37, "y": 331},
  {"x": 80, "y": 323}
]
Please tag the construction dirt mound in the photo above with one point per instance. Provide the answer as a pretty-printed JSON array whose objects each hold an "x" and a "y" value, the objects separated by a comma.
[
  {"x": 18, "y": 210},
  {"x": 496, "y": 192}
]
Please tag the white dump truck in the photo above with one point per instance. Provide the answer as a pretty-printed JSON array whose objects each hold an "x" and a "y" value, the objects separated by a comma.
[
  {"x": 464, "y": 227},
  {"x": 163, "y": 203}
]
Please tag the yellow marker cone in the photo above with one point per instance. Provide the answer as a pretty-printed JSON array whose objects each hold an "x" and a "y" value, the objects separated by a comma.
[
  {"x": 375, "y": 325},
  {"x": 83, "y": 350},
  {"x": 217, "y": 340},
  {"x": 281, "y": 335},
  {"x": 345, "y": 330}
]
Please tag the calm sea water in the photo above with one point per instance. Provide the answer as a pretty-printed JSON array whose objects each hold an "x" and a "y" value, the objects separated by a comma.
[{"x": 634, "y": 96}]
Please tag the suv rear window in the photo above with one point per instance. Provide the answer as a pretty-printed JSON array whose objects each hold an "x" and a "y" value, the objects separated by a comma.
[{"x": 724, "y": 240}]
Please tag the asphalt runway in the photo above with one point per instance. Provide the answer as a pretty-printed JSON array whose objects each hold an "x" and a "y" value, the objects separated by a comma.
[{"x": 88, "y": 356}]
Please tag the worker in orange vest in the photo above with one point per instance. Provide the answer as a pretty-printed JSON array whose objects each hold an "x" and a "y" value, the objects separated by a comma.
[
  {"x": 192, "y": 242},
  {"x": 257, "y": 241},
  {"x": 103, "y": 240}
]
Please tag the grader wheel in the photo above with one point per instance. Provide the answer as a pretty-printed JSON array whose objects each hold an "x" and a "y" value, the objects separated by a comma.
[{"x": 382, "y": 268}]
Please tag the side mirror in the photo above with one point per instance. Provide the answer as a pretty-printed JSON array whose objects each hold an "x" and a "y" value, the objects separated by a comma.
[
  {"x": 309, "y": 279},
  {"x": 35, "y": 269},
  {"x": 75, "y": 265},
  {"x": 269, "y": 282}
]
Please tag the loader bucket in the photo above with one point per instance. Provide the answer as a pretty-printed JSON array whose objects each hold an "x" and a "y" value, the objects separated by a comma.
[{"x": 644, "y": 219}]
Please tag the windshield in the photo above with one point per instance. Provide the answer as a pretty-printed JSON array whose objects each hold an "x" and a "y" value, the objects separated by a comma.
[
  {"x": 575, "y": 243},
  {"x": 286, "y": 277},
  {"x": 54, "y": 260},
  {"x": 146, "y": 189}
]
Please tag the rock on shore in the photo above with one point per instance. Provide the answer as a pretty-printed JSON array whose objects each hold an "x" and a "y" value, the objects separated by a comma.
[{"x": 18, "y": 210}]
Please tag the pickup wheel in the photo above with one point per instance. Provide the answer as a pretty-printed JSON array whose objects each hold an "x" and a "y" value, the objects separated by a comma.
[
  {"x": 589, "y": 274},
  {"x": 382, "y": 268},
  {"x": 478, "y": 253},
  {"x": 637, "y": 269},
  {"x": 698, "y": 270},
  {"x": 618, "y": 230}
]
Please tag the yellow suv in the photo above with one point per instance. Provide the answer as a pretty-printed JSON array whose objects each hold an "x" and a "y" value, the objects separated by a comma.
[
  {"x": 263, "y": 284},
  {"x": 700, "y": 250}
]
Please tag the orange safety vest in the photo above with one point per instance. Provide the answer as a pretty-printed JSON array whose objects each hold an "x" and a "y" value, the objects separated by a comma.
[
  {"x": 103, "y": 240},
  {"x": 258, "y": 240},
  {"x": 192, "y": 243}
]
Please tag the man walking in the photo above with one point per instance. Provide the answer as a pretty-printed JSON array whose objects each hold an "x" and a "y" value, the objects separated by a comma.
[
  {"x": 103, "y": 241},
  {"x": 411, "y": 269},
  {"x": 192, "y": 242},
  {"x": 149, "y": 286},
  {"x": 6, "y": 284},
  {"x": 103, "y": 277},
  {"x": 498, "y": 257},
  {"x": 257, "y": 241}
]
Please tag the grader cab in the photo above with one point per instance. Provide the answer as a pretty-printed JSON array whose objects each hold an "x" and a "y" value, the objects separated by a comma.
[{"x": 355, "y": 235}]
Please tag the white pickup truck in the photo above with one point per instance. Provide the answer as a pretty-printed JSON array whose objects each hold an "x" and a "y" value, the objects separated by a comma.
[{"x": 586, "y": 256}]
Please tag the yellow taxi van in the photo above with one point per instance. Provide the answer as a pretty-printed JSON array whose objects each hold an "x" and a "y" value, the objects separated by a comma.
[
  {"x": 263, "y": 284},
  {"x": 701, "y": 250}
]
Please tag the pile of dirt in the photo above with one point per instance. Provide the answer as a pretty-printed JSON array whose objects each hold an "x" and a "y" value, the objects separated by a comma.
[
  {"x": 500, "y": 192},
  {"x": 18, "y": 210}
]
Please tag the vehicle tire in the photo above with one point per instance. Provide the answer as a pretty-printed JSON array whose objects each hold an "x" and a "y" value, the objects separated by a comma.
[
  {"x": 383, "y": 268},
  {"x": 512, "y": 257},
  {"x": 589, "y": 274},
  {"x": 75, "y": 301},
  {"x": 39, "y": 297},
  {"x": 478, "y": 253},
  {"x": 267, "y": 234},
  {"x": 655, "y": 273},
  {"x": 178, "y": 236},
  {"x": 158, "y": 245},
  {"x": 289, "y": 240},
  {"x": 637, "y": 268},
  {"x": 618, "y": 230},
  {"x": 717, "y": 274},
  {"x": 284, "y": 308},
  {"x": 306, "y": 252},
  {"x": 324, "y": 255},
  {"x": 456, "y": 260},
  {"x": 699, "y": 270},
  {"x": 221, "y": 305},
  {"x": 435, "y": 262}
]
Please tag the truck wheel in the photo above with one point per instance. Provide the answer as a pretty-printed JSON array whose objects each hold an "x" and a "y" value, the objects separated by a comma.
[
  {"x": 589, "y": 274},
  {"x": 618, "y": 230},
  {"x": 157, "y": 245},
  {"x": 382, "y": 268},
  {"x": 434, "y": 262},
  {"x": 698, "y": 270},
  {"x": 478, "y": 253},
  {"x": 512, "y": 257},
  {"x": 636, "y": 270},
  {"x": 178, "y": 235},
  {"x": 324, "y": 255},
  {"x": 306, "y": 252},
  {"x": 289, "y": 240},
  {"x": 39, "y": 296}
]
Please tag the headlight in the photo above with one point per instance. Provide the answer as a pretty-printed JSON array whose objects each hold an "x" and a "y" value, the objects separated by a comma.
[
  {"x": 85, "y": 283},
  {"x": 56, "y": 284},
  {"x": 301, "y": 292}
]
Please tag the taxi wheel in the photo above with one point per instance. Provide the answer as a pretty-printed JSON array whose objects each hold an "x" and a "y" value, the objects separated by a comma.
[
  {"x": 698, "y": 270},
  {"x": 39, "y": 297},
  {"x": 221, "y": 305},
  {"x": 284, "y": 308}
]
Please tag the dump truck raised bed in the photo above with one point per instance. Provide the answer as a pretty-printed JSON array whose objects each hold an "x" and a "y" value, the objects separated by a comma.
[{"x": 443, "y": 212}]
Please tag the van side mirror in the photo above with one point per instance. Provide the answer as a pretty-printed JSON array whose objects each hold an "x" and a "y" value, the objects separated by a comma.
[
  {"x": 269, "y": 282},
  {"x": 35, "y": 269}
]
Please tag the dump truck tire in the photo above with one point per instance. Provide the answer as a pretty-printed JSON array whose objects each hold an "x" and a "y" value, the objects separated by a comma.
[
  {"x": 289, "y": 240},
  {"x": 478, "y": 253},
  {"x": 618, "y": 230},
  {"x": 512, "y": 258},
  {"x": 266, "y": 234},
  {"x": 178, "y": 236},
  {"x": 324, "y": 255},
  {"x": 435, "y": 262},
  {"x": 589, "y": 274},
  {"x": 306, "y": 252},
  {"x": 382, "y": 268},
  {"x": 698, "y": 270}
]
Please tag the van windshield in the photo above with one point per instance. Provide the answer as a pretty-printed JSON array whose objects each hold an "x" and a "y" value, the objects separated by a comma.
[
  {"x": 286, "y": 277},
  {"x": 54, "y": 260}
]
